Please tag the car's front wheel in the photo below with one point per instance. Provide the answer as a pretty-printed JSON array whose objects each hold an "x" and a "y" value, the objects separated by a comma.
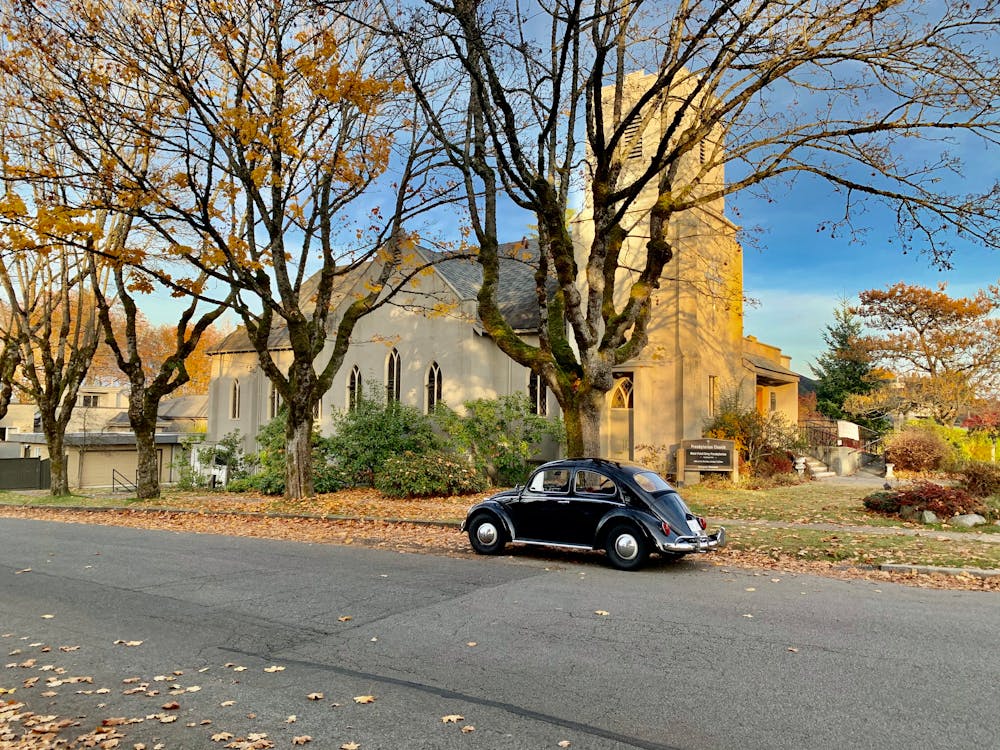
[
  {"x": 487, "y": 535},
  {"x": 626, "y": 548}
]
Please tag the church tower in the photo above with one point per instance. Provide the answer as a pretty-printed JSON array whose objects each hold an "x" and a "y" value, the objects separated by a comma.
[{"x": 672, "y": 388}]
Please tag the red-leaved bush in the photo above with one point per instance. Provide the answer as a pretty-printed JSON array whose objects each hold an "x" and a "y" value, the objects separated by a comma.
[{"x": 944, "y": 502}]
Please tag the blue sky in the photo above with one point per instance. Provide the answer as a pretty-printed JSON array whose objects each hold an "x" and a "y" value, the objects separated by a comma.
[{"x": 799, "y": 275}]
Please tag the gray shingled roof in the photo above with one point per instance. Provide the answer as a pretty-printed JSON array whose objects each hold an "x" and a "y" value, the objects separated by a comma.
[
  {"x": 181, "y": 407},
  {"x": 516, "y": 293},
  {"x": 515, "y": 296}
]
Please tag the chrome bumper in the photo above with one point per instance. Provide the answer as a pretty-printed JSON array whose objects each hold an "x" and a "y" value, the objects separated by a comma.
[{"x": 695, "y": 543}]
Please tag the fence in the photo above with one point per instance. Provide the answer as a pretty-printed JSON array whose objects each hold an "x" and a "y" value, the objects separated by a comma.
[{"x": 25, "y": 474}]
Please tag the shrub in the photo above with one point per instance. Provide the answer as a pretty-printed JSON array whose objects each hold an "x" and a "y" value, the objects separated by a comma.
[
  {"x": 883, "y": 502},
  {"x": 367, "y": 436},
  {"x": 269, "y": 479},
  {"x": 757, "y": 436},
  {"x": 426, "y": 475},
  {"x": 914, "y": 449},
  {"x": 944, "y": 502},
  {"x": 981, "y": 479},
  {"x": 499, "y": 434},
  {"x": 773, "y": 464}
]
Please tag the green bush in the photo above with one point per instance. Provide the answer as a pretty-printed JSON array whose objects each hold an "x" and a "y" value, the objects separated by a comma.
[
  {"x": 426, "y": 475},
  {"x": 944, "y": 502},
  {"x": 981, "y": 479},
  {"x": 916, "y": 449},
  {"x": 269, "y": 478},
  {"x": 366, "y": 437},
  {"x": 499, "y": 435}
]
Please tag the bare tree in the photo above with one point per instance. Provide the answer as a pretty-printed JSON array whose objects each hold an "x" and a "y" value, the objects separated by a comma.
[{"x": 839, "y": 90}]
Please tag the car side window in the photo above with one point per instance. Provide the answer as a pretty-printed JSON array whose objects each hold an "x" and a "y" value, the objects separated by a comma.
[
  {"x": 594, "y": 483},
  {"x": 550, "y": 480}
]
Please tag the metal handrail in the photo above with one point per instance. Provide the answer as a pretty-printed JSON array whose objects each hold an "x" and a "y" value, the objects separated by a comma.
[
  {"x": 819, "y": 432},
  {"x": 117, "y": 478}
]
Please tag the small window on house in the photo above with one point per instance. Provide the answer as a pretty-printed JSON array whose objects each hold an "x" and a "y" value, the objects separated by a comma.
[
  {"x": 774, "y": 401},
  {"x": 392, "y": 370},
  {"x": 89, "y": 400},
  {"x": 538, "y": 395},
  {"x": 234, "y": 401},
  {"x": 274, "y": 402},
  {"x": 354, "y": 389},
  {"x": 433, "y": 386}
]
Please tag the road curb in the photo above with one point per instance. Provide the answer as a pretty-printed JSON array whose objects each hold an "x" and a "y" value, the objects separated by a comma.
[{"x": 975, "y": 572}]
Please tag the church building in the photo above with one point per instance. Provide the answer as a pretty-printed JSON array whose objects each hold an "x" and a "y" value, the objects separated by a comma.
[{"x": 428, "y": 346}]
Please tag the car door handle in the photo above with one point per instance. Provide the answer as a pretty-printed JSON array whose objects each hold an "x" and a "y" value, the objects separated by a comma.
[{"x": 563, "y": 502}]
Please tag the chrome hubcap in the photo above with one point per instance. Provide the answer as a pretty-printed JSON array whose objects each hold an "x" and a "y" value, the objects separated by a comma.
[
  {"x": 627, "y": 547},
  {"x": 487, "y": 533}
]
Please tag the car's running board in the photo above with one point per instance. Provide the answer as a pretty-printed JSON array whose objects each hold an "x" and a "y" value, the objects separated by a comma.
[{"x": 553, "y": 544}]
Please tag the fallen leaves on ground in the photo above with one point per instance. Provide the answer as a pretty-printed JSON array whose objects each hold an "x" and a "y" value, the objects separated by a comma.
[
  {"x": 219, "y": 516},
  {"x": 363, "y": 699}
]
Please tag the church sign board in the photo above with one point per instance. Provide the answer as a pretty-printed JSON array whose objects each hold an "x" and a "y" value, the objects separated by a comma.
[{"x": 707, "y": 454}]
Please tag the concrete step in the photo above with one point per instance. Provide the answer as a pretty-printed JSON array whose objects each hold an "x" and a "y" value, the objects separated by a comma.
[{"x": 817, "y": 469}]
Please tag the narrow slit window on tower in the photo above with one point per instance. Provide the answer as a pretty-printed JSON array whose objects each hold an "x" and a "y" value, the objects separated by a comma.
[{"x": 632, "y": 135}]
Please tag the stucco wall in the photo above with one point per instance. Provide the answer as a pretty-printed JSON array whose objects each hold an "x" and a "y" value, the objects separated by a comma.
[{"x": 426, "y": 323}]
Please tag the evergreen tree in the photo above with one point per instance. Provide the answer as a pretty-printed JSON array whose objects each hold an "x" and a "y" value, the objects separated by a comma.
[{"x": 844, "y": 369}]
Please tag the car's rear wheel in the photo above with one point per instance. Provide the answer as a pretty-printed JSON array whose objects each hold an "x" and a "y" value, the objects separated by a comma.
[
  {"x": 626, "y": 548},
  {"x": 487, "y": 535}
]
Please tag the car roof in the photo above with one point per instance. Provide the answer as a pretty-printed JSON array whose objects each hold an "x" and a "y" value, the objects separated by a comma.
[{"x": 594, "y": 463}]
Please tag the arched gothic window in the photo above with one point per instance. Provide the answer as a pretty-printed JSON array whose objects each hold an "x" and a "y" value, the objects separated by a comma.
[
  {"x": 621, "y": 397},
  {"x": 234, "y": 400},
  {"x": 392, "y": 370},
  {"x": 537, "y": 395},
  {"x": 433, "y": 386},
  {"x": 274, "y": 402},
  {"x": 354, "y": 389}
]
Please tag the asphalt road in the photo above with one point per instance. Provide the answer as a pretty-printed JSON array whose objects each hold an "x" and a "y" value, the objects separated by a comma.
[{"x": 529, "y": 653}]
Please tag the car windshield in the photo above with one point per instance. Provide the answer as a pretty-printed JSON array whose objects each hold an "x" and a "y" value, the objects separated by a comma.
[{"x": 651, "y": 482}]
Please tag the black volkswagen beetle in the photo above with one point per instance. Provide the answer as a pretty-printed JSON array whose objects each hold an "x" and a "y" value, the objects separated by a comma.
[{"x": 591, "y": 503}]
